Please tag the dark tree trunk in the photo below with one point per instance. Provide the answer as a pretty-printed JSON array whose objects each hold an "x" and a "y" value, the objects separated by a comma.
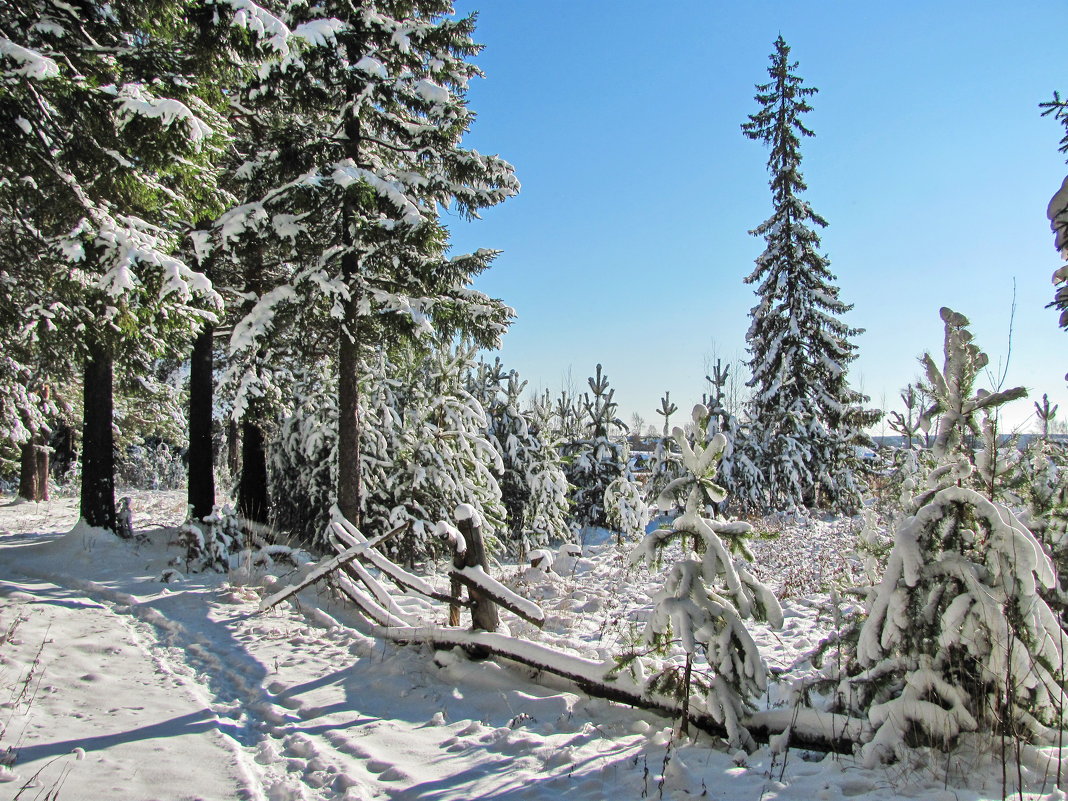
[
  {"x": 28, "y": 471},
  {"x": 233, "y": 447},
  {"x": 349, "y": 473},
  {"x": 252, "y": 501},
  {"x": 41, "y": 458},
  {"x": 98, "y": 443},
  {"x": 201, "y": 457}
]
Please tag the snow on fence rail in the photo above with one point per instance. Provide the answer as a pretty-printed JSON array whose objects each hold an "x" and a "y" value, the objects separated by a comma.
[{"x": 805, "y": 728}]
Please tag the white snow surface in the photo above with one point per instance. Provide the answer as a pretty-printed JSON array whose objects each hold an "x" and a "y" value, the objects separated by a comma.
[{"x": 116, "y": 685}]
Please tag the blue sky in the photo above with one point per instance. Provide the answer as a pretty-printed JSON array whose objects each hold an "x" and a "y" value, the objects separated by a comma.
[{"x": 628, "y": 243}]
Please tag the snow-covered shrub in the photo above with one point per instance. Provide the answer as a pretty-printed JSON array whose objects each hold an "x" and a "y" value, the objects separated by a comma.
[
  {"x": 209, "y": 543},
  {"x": 708, "y": 593},
  {"x": 152, "y": 465},
  {"x": 427, "y": 451},
  {"x": 958, "y": 636}
]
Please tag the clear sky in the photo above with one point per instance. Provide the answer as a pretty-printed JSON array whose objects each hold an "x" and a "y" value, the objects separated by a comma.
[{"x": 628, "y": 243}]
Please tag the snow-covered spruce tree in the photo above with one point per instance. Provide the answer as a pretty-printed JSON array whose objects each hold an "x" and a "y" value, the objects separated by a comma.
[
  {"x": 377, "y": 109},
  {"x": 112, "y": 155},
  {"x": 598, "y": 458},
  {"x": 533, "y": 485},
  {"x": 805, "y": 419},
  {"x": 709, "y": 592},
  {"x": 301, "y": 457},
  {"x": 958, "y": 636},
  {"x": 433, "y": 453},
  {"x": 1057, "y": 212},
  {"x": 664, "y": 466}
]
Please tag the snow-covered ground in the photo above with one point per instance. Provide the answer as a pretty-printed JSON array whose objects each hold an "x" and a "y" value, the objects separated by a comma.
[{"x": 115, "y": 685}]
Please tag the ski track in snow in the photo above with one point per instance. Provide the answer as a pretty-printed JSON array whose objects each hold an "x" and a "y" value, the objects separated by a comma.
[{"x": 181, "y": 691}]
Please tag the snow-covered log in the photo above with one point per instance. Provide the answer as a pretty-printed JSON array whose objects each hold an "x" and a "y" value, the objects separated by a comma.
[
  {"x": 475, "y": 578},
  {"x": 818, "y": 731}
]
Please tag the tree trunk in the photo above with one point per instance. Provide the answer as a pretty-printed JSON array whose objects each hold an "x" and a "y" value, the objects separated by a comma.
[
  {"x": 252, "y": 500},
  {"x": 201, "y": 457},
  {"x": 41, "y": 458},
  {"x": 98, "y": 442},
  {"x": 28, "y": 471},
  {"x": 233, "y": 447},
  {"x": 349, "y": 474}
]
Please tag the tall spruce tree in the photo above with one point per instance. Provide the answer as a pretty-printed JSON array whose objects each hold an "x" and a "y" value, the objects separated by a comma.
[
  {"x": 806, "y": 419},
  {"x": 377, "y": 107}
]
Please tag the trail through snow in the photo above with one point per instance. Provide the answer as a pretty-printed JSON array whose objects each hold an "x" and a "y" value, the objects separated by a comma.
[{"x": 114, "y": 685}]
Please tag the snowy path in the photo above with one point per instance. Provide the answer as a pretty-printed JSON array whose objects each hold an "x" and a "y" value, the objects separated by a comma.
[
  {"x": 262, "y": 706},
  {"x": 117, "y": 686}
]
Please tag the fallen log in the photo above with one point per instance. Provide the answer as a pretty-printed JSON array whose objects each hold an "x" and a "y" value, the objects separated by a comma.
[{"x": 809, "y": 729}]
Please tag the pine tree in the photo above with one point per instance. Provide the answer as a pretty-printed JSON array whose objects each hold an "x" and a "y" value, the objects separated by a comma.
[
  {"x": 806, "y": 419},
  {"x": 958, "y": 635},
  {"x": 709, "y": 593}
]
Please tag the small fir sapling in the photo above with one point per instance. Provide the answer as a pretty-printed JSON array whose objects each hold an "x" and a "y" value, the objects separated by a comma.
[
  {"x": 599, "y": 458},
  {"x": 708, "y": 593},
  {"x": 908, "y": 424},
  {"x": 958, "y": 637},
  {"x": 737, "y": 470},
  {"x": 625, "y": 509},
  {"x": 664, "y": 466},
  {"x": 997, "y": 462},
  {"x": 301, "y": 460},
  {"x": 436, "y": 453},
  {"x": 1045, "y": 414},
  {"x": 1043, "y": 477},
  {"x": 209, "y": 543}
]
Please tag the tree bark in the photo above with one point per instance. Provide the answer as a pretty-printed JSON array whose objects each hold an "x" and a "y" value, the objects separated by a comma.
[
  {"x": 349, "y": 473},
  {"x": 42, "y": 465},
  {"x": 28, "y": 470},
  {"x": 201, "y": 482},
  {"x": 98, "y": 442},
  {"x": 252, "y": 502}
]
